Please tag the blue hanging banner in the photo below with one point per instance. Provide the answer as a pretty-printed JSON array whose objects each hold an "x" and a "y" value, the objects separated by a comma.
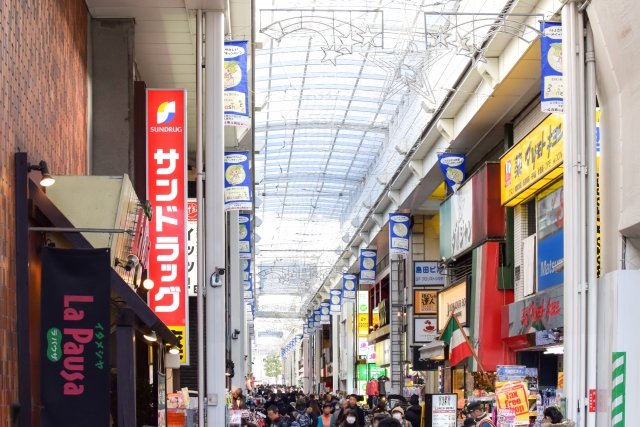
[
  {"x": 236, "y": 88},
  {"x": 237, "y": 181},
  {"x": 368, "y": 263},
  {"x": 317, "y": 319},
  {"x": 335, "y": 300},
  {"x": 246, "y": 270},
  {"x": 399, "y": 234},
  {"x": 245, "y": 236},
  {"x": 248, "y": 290},
  {"x": 325, "y": 317},
  {"x": 349, "y": 287},
  {"x": 453, "y": 168},
  {"x": 552, "y": 91}
]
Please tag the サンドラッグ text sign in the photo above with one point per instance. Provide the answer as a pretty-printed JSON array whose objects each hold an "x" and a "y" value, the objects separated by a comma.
[{"x": 167, "y": 192}]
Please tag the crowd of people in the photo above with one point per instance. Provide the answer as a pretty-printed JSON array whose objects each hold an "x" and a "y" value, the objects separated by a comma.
[{"x": 291, "y": 407}]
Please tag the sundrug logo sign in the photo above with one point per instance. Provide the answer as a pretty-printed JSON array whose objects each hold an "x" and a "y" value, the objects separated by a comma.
[{"x": 165, "y": 114}]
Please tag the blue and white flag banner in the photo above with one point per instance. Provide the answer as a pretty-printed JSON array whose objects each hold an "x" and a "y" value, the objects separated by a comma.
[
  {"x": 248, "y": 290},
  {"x": 399, "y": 234},
  {"x": 368, "y": 261},
  {"x": 317, "y": 318},
  {"x": 552, "y": 91},
  {"x": 349, "y": 287},
  {"x": 325, "y": 317},
  {"x": 453, "y": 168},
  {"x": 237, "y": 181},
  {"x": 246, "y": 270},
  {"x": 245, "y": 236},
  {"x": 236, "y": 88},
  {"x": 335, "y": 301}
]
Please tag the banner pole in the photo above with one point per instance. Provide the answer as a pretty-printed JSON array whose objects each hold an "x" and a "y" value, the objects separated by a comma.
[{"x": 469, "y": 343}]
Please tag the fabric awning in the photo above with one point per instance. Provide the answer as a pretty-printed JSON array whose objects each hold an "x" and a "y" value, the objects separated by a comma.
[{"x": 432, "y": 350}]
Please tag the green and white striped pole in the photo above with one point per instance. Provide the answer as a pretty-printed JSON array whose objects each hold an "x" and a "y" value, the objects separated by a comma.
[{"x": 618, "y": 372}]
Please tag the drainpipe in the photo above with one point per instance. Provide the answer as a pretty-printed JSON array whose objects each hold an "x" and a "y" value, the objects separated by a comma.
[
  {"x": 200, "y": 207},
  {"x": 592, "y": 241}
]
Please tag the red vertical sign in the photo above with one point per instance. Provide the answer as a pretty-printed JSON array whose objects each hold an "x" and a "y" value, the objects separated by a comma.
[
  {"x": 592, "y": 400},
  {"x": 167, "y": 192}
]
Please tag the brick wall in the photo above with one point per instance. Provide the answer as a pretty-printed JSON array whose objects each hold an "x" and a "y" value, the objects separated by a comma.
[{"x": 43, "y": 109}]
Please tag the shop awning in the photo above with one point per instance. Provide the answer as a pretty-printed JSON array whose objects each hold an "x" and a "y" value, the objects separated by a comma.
[
  {"x": 128, "y": 295},
  {"x": 433, "y": 350}
]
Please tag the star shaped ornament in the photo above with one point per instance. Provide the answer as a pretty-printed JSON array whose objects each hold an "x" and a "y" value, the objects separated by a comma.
[
  {"x": 441, "y": 39},
  {"x": 462, "y": 44},
  {"x": 331, "y": 53},
  {"x": 368, "y": 37}
]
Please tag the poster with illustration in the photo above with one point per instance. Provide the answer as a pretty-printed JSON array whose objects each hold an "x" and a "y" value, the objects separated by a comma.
[
  {"x": 425, "y": 329},
  {"x": 399, "y": 234},
  {"x": 237, "y": 182},
  {"x": 552, "y": 91},
  {"x": 453, "y": 167},
  {"x": 236, "y": 89}
]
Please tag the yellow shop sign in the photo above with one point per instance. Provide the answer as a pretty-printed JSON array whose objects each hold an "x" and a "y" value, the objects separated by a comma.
[{"x": 532, "y": 163}]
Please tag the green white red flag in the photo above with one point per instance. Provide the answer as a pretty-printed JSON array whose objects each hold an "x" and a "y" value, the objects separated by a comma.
[{"x": 459, "y": 346}]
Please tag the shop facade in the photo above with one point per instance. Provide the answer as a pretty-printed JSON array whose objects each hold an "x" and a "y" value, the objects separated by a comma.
[{"x": 532, "y": 187}]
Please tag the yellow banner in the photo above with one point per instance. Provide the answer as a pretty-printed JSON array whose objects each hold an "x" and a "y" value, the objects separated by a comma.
[
  {"x": 531, "y": 163},
  {"x": 514, "y": 395},
  {"x": 363, "y": 325},
  {"x": 180, "y": 333}
]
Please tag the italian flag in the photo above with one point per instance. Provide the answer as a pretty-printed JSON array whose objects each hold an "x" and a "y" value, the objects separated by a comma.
[{"x": 454, "y": 335}]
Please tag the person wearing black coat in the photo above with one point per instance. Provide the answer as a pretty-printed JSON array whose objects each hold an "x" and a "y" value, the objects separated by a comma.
[
  {"x": 414, "y": 412},
  {"x": 353, "y": 405}
]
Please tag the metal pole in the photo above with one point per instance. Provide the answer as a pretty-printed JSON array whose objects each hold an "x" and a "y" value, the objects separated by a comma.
[
  {"x": 200, "y": 228},
  {"x": 236, "y": 313},
  {"x": 215, "y": 217},
  {"x": 592, "y": 240}
]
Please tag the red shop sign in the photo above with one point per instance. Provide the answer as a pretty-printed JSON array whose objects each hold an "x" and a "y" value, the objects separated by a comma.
[{"x": 167, "y": 192}]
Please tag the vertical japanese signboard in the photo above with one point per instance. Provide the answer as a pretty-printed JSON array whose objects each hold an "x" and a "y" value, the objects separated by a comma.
[
  {"x": 453, "y": 168},
  {"x": 325, "y": 316},
  {"x": 335, "y": 299},
  {"x": 552, "y": 91},
  {"x": 245, "y": 236},
  {"x": 348, "y": 287},
  {"x": 167, "y": 192},
  {"x": 398, "y": 234},
  {"x": 368, "y": 266},
  {"x": 192, "y": 246},
  {"x": 74, "y": 339},
  {"x": 237, "y": 182},
  {"x": 236, "y": 89}
]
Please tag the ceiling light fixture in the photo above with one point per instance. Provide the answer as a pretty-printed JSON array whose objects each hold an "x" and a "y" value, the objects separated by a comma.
[
  {"x": 151, "y": 336},
  {"x": 174, "y": 350}
]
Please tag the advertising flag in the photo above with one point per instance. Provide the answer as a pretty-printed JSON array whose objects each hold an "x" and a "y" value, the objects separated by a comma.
[
  {"x": 245, "y": 236},
  {"x": 236, "y": 89},
  {"x": 167, "y": 192},
  {"x": 552, "y": 91},
  {"x": 348, "y": 287},
  {"x": 325, "y": 317},
  {"x": 368, "y": 266},
  {"x": 192, "y": 247},
  {"x": 237, "y": 182},
  {"x": 335, "y": 300},
  {"x": 399, "y": 234},
  {"x": 453, "y": 168}
]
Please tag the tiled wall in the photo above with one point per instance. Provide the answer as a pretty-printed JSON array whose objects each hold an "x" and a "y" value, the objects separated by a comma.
[{"x": 43, "y": 109}]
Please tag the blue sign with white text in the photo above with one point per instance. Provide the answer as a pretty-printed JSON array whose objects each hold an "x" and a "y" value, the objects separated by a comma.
[
  {"x": 245, "y": 236},
  {"x": 368, "y": 262},
  {"x": 237, "y": 182},
  {"x": 454, "y": 169},
  {"x": 236, "y": 88},
  {"x": 399, "y": 234},
  {"x": 552, "y": 90},
  {"x": 550, "y": 261}
]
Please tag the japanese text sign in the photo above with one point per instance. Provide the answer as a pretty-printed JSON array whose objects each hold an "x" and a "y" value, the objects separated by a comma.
[
  {"x": 428, "y": 273},
  {"x": 348, "y": 287},
  {"x": 244, "y": 226},
  {"x": 532, "y": 162},
  {"x": 453, "y": 168},
  {"x": 398, "y": 234},
  {"x": 335, "y": 300},
  {"x": 167, "y": 192},
  {"x": 552, "y": 87},
  {"x": 425, "y": 301},
  {"x": 237, "y": 182},
  {"x": 74, "y": 338},
  {"x": 192, "y": 246},
  {"x": 236, "y": 89},
  {"x": 368, "y": 266},
  {"x": 540, "y": 312}
]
